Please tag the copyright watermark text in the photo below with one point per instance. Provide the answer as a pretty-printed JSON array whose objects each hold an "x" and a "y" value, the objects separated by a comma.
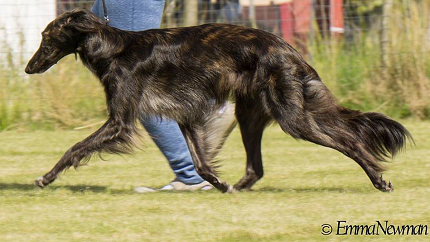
[{"x": 378, "y": 228}]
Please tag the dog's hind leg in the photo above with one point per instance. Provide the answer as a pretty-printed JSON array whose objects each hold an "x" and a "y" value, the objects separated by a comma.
[
  {"x": 252, "y": 121},
  {"x": 194, "y": 135},
  {"x": 112, "y": 137},
  {"x": 343, "y": 141},
  {"x": 306, "y": 110}
]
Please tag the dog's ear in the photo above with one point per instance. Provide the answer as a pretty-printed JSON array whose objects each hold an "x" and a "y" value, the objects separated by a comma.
[{"x": 82, "y": 21}]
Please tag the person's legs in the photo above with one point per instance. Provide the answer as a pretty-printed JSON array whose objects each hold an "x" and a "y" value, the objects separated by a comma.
[
  {"x": 132, "y": 15},
  {"x": 169, "y": 139}
]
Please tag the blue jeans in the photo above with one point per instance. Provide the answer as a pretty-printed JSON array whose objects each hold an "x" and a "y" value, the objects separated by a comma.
[
  {"x": 133, "y": 15},
  {"x": 137, "y": 15}
]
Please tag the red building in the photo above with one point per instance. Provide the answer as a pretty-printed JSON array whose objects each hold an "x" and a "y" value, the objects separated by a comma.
[{"x": 292, "y": 19}]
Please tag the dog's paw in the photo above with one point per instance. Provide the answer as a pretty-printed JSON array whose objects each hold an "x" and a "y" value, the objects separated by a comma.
[
  {"x": 387, "y": 187},
  {"x": 225, "y": 188},
  {"x": 383, "y": 186},
  {"x": 39, "y": 182}
]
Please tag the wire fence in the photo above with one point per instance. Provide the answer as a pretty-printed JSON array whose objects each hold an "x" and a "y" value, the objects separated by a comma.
[{"x": 351, "y": 43}]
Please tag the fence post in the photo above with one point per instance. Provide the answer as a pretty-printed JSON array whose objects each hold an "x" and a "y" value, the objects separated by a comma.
[
  {"x": 191, "y": 14},
  {"x": 252, "y": 17},
  {"x": 385, "y": 37}
]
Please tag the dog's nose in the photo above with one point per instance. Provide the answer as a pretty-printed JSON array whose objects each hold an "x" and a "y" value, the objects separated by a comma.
[{"x": 28, "y": 70}]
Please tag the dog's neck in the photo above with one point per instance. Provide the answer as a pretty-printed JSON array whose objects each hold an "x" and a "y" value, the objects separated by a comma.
[{"x": 98, "y": 50}]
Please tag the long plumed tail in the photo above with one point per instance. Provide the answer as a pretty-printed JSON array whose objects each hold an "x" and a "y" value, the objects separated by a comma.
[
  {"x": 381, "y": 136},
  {"x": 369, "y": 137}
]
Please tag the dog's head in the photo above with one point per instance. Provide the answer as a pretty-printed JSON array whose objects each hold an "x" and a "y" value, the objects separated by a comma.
[{"x": 62, "y": 37}]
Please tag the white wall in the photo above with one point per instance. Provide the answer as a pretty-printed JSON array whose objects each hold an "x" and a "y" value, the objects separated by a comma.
[{"x": 21, "y": 22}]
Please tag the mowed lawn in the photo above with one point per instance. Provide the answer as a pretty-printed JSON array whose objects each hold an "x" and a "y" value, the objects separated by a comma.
[{"x": 304, "y": 187}]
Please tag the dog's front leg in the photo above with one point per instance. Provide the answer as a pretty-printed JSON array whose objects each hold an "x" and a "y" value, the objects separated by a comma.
[
  {"x": 113, "y": 137},
  {"x": 194, "y": 136}
]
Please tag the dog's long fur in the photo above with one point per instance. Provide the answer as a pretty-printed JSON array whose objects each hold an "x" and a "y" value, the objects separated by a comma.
[{"x": 185, "y": 73}]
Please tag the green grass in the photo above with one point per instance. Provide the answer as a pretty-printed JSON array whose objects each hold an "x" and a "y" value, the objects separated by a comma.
[{"x": 304, "y": 187}]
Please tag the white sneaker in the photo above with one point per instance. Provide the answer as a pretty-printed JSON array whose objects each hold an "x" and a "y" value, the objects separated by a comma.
[
  {"x": 180, "y": 186},
  {"x": 177, "y": 186}
]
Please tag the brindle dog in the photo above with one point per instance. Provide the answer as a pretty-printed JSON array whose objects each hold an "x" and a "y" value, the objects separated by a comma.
[{"x": 186, "y": 73}]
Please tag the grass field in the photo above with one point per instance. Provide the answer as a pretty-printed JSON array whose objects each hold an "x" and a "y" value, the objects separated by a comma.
[{"x": 304, "y": 187}]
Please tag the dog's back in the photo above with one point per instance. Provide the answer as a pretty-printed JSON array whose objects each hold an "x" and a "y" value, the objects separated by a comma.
[{"x": 224, "y": 49}]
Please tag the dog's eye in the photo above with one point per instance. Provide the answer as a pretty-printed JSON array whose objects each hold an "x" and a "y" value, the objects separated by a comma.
[
  {"x": 45, "y": 34},
  {"x": 45, "y": 37}
]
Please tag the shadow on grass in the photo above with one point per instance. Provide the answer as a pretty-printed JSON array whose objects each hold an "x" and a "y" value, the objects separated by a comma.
[
  {"x": 107, "y": 190},
  {"x": 72, "y": 188},
  {"x": 17, "y": 186},
  {"x": 314, "y": 189}
]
